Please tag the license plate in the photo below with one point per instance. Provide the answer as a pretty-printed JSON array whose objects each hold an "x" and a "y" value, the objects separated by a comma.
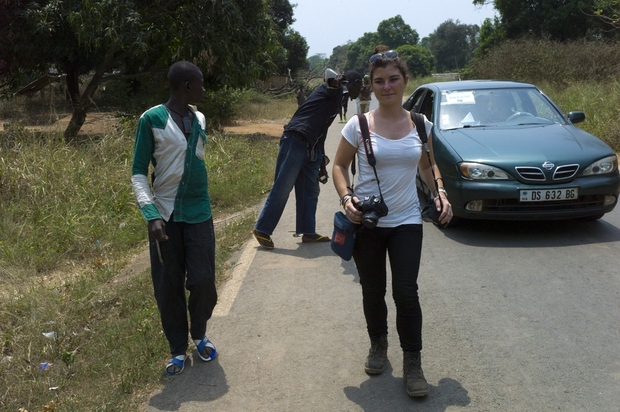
[{"x": 547, "y": 195}]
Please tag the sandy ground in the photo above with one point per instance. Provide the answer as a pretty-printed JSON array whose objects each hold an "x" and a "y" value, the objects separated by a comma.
[{"x": 108, "y": 122}]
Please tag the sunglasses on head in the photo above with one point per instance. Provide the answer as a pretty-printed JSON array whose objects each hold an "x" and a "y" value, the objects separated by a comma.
[{"x": 390, "y": 54}]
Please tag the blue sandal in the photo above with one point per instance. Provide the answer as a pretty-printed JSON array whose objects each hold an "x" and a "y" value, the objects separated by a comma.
[
  {"x": 179, "y": 362},
  {"x": 201, "y": 345}
]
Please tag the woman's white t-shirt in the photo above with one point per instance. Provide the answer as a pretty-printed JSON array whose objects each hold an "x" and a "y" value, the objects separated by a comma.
[{"x": 397, "y": 164}]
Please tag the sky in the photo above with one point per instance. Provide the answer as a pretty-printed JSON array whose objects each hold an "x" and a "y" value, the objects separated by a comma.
[{"x": 329, "y": 23}]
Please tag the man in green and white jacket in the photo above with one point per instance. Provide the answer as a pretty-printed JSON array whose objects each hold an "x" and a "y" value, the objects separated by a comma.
[{"x": 177, "y": 207}]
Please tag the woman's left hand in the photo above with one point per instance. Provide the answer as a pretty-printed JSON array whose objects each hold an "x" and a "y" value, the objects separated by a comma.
[{"x": 445, "y": 207}]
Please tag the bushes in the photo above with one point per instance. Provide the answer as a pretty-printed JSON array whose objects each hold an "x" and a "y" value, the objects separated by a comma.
[{"x": 535, "y": 61}]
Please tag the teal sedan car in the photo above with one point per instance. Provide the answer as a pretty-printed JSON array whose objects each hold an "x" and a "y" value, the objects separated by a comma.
[{"x": 507, "y": 152}]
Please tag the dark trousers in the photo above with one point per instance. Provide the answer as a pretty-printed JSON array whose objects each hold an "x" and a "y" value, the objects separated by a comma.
[
  {"x": 188, "y": 263},
  {"x": 296, "y": 166},
  {"x": 403, "y": 244}
]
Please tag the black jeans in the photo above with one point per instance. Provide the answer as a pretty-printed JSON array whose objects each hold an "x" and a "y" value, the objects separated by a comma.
[
  {"x": 403, "y": 244},
  {"x": 189, "y": 263}
]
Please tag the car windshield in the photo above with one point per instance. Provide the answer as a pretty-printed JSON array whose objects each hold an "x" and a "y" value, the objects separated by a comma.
[{"x": 494, "y": 107}]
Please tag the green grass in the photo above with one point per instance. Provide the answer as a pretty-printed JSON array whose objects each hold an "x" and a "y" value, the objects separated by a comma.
[
  {"x": 257, "y": 107},
  {"x": 69, "y": 224}
]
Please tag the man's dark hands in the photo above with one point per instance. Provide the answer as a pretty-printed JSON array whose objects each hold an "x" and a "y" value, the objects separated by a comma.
[
  {"x": 323, "y": 175},
  {"x": 339, "y": 81},
  {"x": 157, "y": 229}
]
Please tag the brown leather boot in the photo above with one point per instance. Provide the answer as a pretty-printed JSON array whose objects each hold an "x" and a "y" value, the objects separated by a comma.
[
  {"x": 413, "y": 375},
  {"x": 377, "y": 355}
]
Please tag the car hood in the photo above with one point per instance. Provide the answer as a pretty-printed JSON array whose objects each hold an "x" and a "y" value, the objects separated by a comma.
[{"x": 525, "y": 144}]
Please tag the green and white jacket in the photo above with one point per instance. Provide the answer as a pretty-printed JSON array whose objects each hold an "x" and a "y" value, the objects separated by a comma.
[{"x": 179, "y": 178}]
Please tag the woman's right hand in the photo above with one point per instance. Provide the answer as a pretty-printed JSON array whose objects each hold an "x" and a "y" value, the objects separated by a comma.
[{"x": 351, "y": 211}]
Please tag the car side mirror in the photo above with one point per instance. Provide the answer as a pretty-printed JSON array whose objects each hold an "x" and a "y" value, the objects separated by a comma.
[{"x": 576, "y": 117}]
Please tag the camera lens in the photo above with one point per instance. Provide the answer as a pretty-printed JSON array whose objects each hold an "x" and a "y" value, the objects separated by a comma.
[{"x": 369, "y": 220}]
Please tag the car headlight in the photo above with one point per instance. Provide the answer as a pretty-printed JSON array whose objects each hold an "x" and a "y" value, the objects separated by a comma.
[
  {"x": 600, "y": 167},
  {"x": 478, "y": 171}
]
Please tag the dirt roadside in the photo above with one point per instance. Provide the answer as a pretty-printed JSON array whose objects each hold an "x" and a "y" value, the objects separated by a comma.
[{"x": 107, "y": 122}]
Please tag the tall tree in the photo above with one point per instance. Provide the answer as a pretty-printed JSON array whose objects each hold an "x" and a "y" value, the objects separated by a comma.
[
  {"x": 453, "y": 44},
  {"x": 491, "y": 35},
  {"x": 338, "y": 59},
  {"x": 394, "y": 32},
  {"x": 360, "y": 50},
  {"x": 420, "y": 61},
  {"x": 296, "y": 49},
  {"x": 317, "y": 62},
  {"x": 609, "y": 12},
  {"x": 558, "y": 20},
  {"x": 292, "y": 49},
  {"x": 228, "y": 39}
]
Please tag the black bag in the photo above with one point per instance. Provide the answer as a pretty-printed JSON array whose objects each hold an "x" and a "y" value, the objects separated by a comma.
[
  {"x": 343, "y": 238},
  {"x": 429, "y": 211}
]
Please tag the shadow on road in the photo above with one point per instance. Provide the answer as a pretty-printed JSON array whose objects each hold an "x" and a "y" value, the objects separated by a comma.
[
  {"x": 386, "y": 392},
  {"x": 491, "y": 233},
  {"x": 200, "y": 382}
]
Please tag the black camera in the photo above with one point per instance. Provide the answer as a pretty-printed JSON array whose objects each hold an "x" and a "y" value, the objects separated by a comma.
[{"x": 373, "y": 208}]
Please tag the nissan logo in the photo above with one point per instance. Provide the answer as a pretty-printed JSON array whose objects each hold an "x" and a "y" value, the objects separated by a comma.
[{"x": 548, "y": 165}]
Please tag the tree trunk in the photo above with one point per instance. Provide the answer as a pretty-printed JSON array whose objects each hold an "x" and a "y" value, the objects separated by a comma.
[
  {"x": 79, "y": 112},
  {"x": 81, "y": 102}
]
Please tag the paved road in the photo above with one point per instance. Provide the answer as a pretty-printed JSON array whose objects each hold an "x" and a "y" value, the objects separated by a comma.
[{"x": 518, "y": 317}]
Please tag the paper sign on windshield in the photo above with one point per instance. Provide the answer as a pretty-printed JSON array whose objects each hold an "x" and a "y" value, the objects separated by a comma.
[{"x": 461, "y": 97}]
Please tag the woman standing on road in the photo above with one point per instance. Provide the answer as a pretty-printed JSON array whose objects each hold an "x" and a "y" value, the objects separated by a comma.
[{"x": 398, "y": 152}]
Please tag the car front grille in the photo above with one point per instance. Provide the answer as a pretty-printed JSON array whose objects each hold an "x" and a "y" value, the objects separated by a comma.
[
  {"x": 531, "y": 173},
  {"x": 513, "y": 205},
  {"x": 535, "y": 174},
  {"x": 565, "y": 172}
]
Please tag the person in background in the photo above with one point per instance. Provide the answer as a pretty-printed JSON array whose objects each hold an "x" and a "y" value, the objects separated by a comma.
[
  {"x": 365, "y": 96},
  {"x": 301, "y": 97},
  {"x": 398, "y": 234},
  {"x": 345, "y": 105},
  {"x": 176, "y": 205},
  {"x": 300, "y": 157}
]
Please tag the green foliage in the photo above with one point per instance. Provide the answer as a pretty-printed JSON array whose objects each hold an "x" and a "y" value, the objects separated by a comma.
[
  {"x": 491, "y": 34},
  {"x": 338, "y": 59},
  {"x": 393, "y": 32},
  {"x": 109, "y": 39},
  {"x": 599, "y": 100},
  {"x": 609, "y": 12},
  {"x": 292, "y": 49},
  {"x": 220, "y": 107},
  {"x": 245, "y": 174},
  {"x": 317, "y": 63},
  {"x": 296, "y": 51},
  {"x": 55, "y": 201},
  {"x": 360, "y": 51},
  {"x": 533, "y": 60},
  {"x": 258, "y": 107},
  {"x": 561, "y": 21},
  {"x": 453, "y": 45},
  {"x": 420, "y": 61}
]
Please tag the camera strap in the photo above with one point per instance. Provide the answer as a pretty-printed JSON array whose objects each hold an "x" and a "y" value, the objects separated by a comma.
[
  {"x": 418, "y": 120},
  {"x": 370, "y": 155}
]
